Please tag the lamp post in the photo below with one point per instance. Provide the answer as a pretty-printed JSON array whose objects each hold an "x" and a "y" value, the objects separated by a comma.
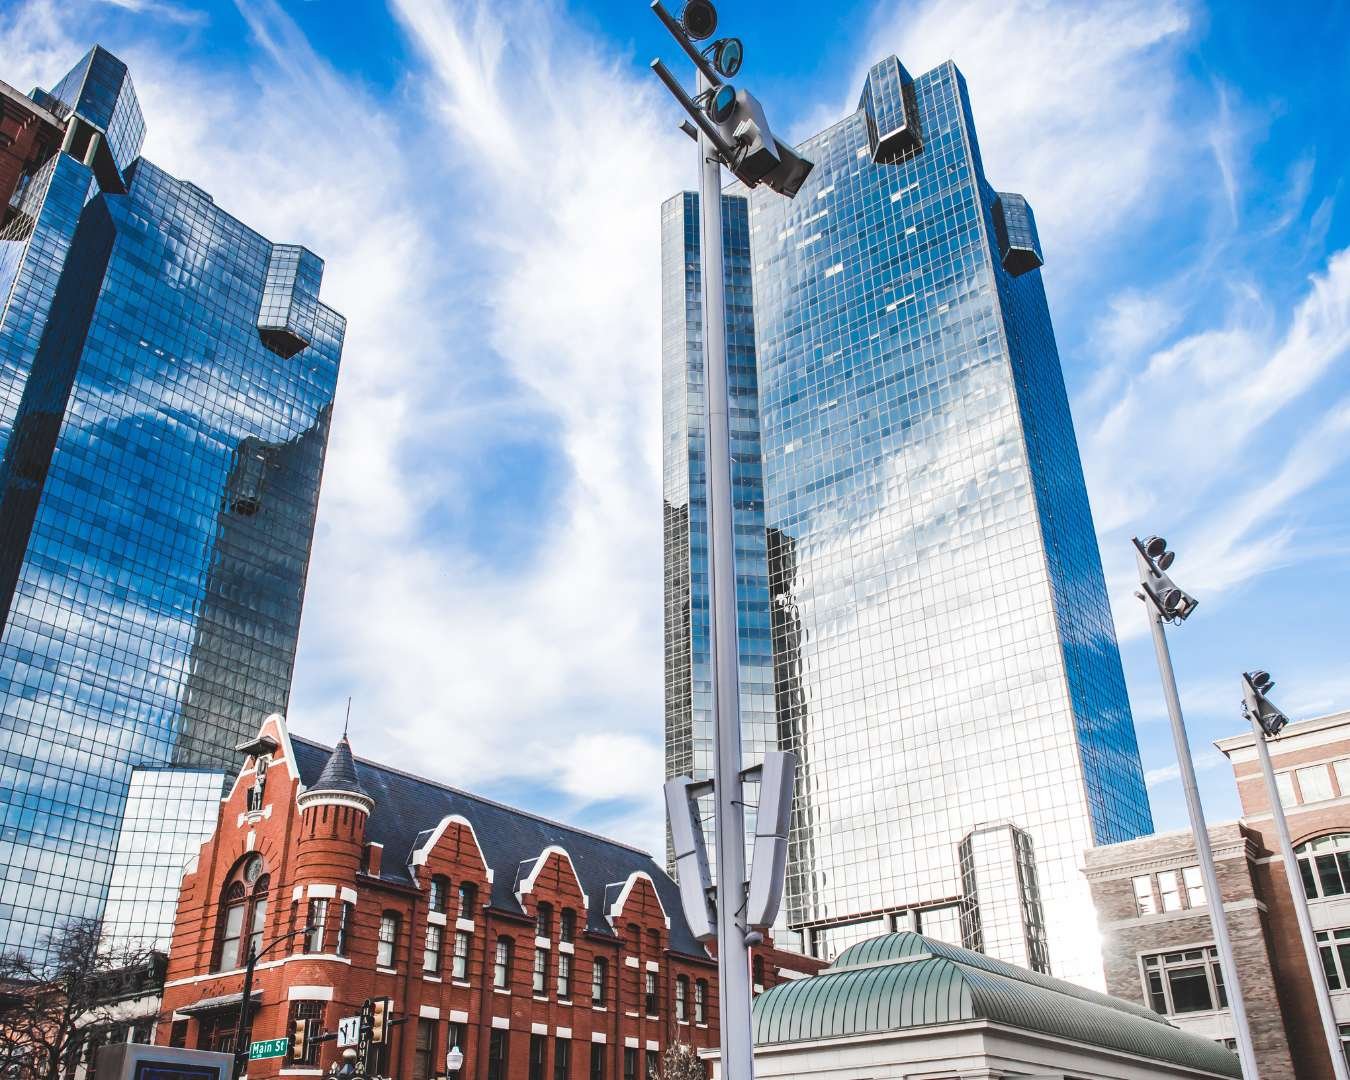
[
  {"x": 244, "y": 1029},
  {"x": 454, "y": 1061},
  {"x": 1163, "y": 600},
  {"x": 1267, "y": 722},
  {"x": 730, "y": 128}
]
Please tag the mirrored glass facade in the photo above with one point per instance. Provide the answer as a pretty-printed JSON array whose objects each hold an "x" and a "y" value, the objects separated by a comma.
[
  {"x": 943, "y": 651},
  {"x": 166, "y": 382},
  {"x": 168, "y": 815}
]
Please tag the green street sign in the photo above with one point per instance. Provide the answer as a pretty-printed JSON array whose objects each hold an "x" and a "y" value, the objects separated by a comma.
[{"x": 268, "y": 1048}]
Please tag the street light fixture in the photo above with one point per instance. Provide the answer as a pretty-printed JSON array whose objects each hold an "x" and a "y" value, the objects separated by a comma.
[
  {"x": 1165, "y": 602},
  {"x": 1268, "y": 721},
  {"x": 454, "y": 1060},
  {"x": 731, "y": 130}
]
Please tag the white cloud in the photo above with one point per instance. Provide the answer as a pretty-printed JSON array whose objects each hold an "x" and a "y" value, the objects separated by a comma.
[
  {"x": 1169, "y": 774},
  {"x": 1186, "y": 441},
  {"x": 1072, "y": 102}
]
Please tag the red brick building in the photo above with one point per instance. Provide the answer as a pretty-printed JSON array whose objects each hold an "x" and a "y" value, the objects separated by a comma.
[
  {"x": 543, "y": 952},
  {"x": 1158, "y": 944}
]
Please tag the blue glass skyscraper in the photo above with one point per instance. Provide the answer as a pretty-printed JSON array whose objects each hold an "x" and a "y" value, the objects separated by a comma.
[
  {"x": 166, "y": 381},
  {"x": 944, "y": 662}
]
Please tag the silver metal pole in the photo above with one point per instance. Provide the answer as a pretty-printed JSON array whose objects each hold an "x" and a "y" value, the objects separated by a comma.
[
  {"x": 1305, "y": 930},
  {"x": 733, "y": 960},
  {"x": 1214, "y": 898}
]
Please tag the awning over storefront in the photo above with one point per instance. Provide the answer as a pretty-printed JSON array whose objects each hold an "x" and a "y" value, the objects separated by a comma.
[{"x": 224, "y": 1001}]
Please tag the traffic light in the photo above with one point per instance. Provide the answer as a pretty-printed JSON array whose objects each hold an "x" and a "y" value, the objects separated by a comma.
[
  {"x": 1258, "y": 707},
  {"x": 299, "y": 1039},
  {"x": 733, "y": 120},
  {"x": 379, "y": 1025},
  {"x": 1171, "y": 602}
]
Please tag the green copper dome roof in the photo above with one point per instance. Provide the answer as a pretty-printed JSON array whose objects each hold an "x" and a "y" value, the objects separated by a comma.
[{"x": 904, "y": 981}]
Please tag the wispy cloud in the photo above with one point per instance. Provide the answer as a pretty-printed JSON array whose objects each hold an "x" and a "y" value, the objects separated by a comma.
[{"x": 1073, "y": 102}]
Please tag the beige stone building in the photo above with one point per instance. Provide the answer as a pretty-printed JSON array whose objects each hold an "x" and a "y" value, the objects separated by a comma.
[{"x": 1157, "y": 942}]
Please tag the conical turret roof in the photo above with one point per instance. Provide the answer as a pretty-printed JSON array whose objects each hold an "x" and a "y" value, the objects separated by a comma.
[{"x": 339, "y": 774}]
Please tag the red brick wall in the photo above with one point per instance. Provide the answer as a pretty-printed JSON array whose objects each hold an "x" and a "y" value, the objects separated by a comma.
[{"x": 331, "y": 856}]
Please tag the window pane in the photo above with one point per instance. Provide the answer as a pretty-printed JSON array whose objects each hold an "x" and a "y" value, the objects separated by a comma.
[
  {"x": 1315, "y": 783},
  {"x": 1190, "y": 989},
  {"x": 384, "y": 955},
  {"x": 234, "y": 925},
  {"x": 1144, "y": 903},
  {"x": 1195, "y": 886},
  {"x": 1157, "y": 1000},
  {"x": 1284, "y": 784},
  {"x": 1309, "y": 881},
  {"x": 460, "y": 968},
  {"x": 540, "y": 970},
  {"x": 1329, "y": 875},
  {"x": 1169, "y": 885},
  {"x": 1328, "y": 964},
  {"x": 1342, "y": 770}
]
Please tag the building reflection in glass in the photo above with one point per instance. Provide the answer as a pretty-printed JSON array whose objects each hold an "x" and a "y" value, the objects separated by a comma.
[
  {"x": 943, "y": 656},
  {"x": 166, "y": 381}
]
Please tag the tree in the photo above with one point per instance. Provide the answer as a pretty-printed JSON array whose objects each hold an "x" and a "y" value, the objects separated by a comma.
[
  {"x": 681, "y": 1062},
  {"x": 68, "y": 995}
]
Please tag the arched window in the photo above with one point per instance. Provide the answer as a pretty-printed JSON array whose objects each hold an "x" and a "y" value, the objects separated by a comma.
[
  {"x": 242, "y": 917},
  {"x": 567, "y": 925},
  {"x": 232, "y": 927},
  {"x": 701, "y": 1001},
  {"x": 543, "y": 923},
  {"x": 468, "y": 896},
  {"x": 438, "y": 897},
  {"x": 1324, "y": 865},
  {"x": 682, "y": 998},
  {"x": 757, "y": 967}
]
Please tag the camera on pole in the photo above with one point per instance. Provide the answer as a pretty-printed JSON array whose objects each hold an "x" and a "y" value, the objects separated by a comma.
[{"x": 1257, "y": 706}]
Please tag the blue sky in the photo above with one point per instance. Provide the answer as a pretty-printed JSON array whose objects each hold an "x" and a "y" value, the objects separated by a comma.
[{"x": 483, "y": 181}]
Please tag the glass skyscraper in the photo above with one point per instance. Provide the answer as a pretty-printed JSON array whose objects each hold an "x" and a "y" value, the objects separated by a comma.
[
  {"x": 941, "y": 648},
  {"x": 166, "y": 381}
]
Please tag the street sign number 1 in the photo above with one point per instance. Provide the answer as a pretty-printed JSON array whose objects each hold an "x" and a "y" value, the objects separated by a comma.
[{"x": 268, "y": 1048}]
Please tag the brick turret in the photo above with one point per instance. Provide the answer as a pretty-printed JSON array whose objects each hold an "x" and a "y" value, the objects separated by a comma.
[{"x": 333, "y": 816}]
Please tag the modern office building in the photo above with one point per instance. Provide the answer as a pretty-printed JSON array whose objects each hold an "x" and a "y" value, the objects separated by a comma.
[
  {"x": 922, "y": 606},
  {"x": 166, "y": 381}
]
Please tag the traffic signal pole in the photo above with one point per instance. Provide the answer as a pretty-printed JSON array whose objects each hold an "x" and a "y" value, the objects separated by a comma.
[
  {"x": 1213, "y": 897},
  {"x": 733, "y": 953},
  {"x": 1330, "y": 1029}
]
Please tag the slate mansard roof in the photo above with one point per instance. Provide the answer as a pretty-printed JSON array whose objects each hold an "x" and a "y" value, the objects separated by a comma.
[
  {"x": 905, "y": 981},
  {"x": 408, "y": 809}
]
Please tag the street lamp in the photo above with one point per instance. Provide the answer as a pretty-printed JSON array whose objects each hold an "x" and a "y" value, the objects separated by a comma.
[
  {"x": 244, "y": 1029},
  {"x": 454, "y": 1060},
  {"x": 1163, "y": 601},
  {"x": 731, "y": 129},
  {"x": 1267, "y": 722}
]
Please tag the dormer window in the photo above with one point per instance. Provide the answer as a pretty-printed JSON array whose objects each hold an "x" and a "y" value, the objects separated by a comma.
[{"x": 438, "y": 895}]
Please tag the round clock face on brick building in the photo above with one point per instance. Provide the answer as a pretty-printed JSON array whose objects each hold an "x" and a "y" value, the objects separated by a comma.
[{"x": 253, "y": 869}]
